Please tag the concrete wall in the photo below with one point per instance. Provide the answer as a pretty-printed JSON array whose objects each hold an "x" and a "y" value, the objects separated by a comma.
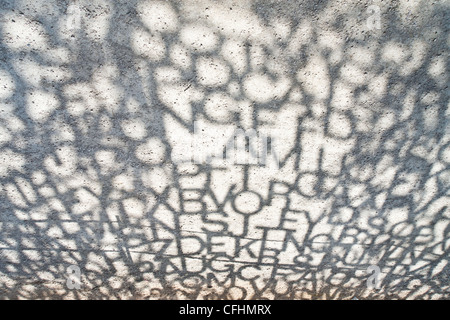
[{"x": 121, "y": 176}]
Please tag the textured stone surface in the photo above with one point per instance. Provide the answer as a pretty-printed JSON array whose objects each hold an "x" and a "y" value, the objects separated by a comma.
[{"x": 110, "y": 112}]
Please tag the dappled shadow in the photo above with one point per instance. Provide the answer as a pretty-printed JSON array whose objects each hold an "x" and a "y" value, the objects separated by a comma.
[{"x": 98, "y": 101}]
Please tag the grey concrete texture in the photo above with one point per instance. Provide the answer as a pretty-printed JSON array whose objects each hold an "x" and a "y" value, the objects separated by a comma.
[{"x": 98, "y": 105}]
